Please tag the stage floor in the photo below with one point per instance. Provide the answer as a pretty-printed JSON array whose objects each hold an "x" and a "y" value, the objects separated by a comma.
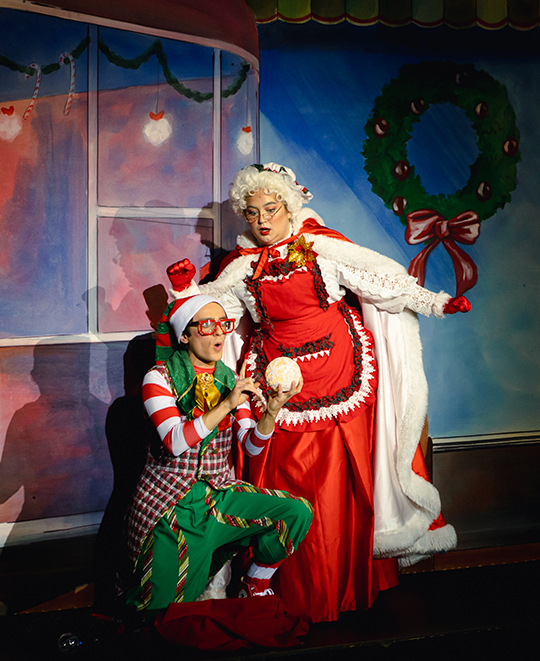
[{"x": 489, "y": 611}]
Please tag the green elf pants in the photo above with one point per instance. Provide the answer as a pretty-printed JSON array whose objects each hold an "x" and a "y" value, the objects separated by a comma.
[{"x": 195, "y": 538}]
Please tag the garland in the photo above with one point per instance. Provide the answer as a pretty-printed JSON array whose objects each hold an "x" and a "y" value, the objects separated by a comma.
[
  {"x": 134, "y": 63},
  {"x": 312, "y": 347},
  {"x": 49, "y": 68},
  {"x": 433, "y": 219}
]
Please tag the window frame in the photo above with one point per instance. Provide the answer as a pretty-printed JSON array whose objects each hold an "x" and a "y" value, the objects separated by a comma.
[{"x": 212, "y": 212}]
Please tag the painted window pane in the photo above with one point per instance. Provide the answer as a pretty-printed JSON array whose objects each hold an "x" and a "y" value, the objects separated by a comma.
[
  {"x": 239, "y": 120},
  {"x": 155, "y": 143},
  {"x": 133, "y": 257},
  {"x": 44, "y": 174}
]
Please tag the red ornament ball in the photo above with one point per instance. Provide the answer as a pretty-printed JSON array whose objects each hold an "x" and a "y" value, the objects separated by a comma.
[
  {"x": 381, "y": 127},
  {"x": 402, "y": 170},
  {"x": 484, "y": 191},
  {"x": 510, "y": 147},
  {"x": 398, "y": 205},
  {"x": 481, "y": 109},
  {"x": 418, "y": 105}
]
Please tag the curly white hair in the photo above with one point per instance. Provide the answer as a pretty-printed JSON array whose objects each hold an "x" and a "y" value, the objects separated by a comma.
[{"x": 271, "y": 178}]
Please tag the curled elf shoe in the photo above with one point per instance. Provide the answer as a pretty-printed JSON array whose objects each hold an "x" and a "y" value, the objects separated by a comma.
[{"x": 253, "y": 587}]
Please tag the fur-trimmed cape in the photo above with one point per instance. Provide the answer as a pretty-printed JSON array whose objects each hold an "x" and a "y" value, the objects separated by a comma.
[{"x": 406, "y": 505}]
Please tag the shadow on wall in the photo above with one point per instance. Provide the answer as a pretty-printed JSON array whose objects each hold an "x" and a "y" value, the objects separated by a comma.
[
  {"x": 55, "y": 451},
  {"x": 55, "y": 446},
  {"x": 126, "y": 431},
  {"x": 59, "y": 448},
  {"x": 58, "y": 452}
]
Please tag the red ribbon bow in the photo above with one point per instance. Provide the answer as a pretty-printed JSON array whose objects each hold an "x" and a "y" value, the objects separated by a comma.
[
  {"x": 428, "y": 225},
  {"x": 265, "y": 252}
]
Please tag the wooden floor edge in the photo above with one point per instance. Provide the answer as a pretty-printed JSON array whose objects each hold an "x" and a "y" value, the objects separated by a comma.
[
  {"x": 464, "y": 559},
  {"x": 459, "y": 559}
]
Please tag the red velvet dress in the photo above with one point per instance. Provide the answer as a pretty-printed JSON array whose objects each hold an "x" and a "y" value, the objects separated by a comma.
[{"x": 324, "y": 445}]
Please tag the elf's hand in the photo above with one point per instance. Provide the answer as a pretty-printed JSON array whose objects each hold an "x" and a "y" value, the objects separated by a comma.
[
  {"x": 459, "y": 304},
  {"x": 181, "y": 274}
]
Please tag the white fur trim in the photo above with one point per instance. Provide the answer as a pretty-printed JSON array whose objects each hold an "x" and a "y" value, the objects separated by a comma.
[
  {"x": 405, "y": 504},
  {"x": 440, "y": 301},
  {"x": 191, "y": 290},
  {"x": 434, "y": 541},
  {"x": 216, "y": 588}
]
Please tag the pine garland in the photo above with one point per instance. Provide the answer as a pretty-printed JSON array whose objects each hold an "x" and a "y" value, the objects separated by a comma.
[{"x": 156, "y": 49}]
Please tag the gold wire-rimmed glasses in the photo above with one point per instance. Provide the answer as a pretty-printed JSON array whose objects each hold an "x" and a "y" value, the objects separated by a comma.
[{"x": 253, "y": 215}]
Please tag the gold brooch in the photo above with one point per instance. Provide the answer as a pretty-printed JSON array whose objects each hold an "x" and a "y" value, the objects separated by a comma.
[
  {"x": 300, "y": 252},
  {"x": 205, "y": 380}
]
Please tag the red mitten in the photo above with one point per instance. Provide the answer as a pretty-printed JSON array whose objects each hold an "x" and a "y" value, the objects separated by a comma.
[
  {"x": 459, "y": 304},
  {"x": 181, "y": 274}
]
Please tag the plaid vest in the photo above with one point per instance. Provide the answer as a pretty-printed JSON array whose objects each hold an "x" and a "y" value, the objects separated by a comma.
[{"x": 166, "y": 478}]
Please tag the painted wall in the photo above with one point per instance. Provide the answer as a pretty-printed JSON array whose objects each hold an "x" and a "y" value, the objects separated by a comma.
[
  {"x": 94, "y": 206},
  {"x": 318, "y": 87}
]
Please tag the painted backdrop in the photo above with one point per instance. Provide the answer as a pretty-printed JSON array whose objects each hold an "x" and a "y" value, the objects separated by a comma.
[
  {"x": 318, "y": 89},
  {"x": 319, "y": 85},
  {"x": 113, "y": 150}
]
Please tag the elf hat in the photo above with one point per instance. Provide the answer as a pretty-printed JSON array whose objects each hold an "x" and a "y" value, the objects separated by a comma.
[{"x": 176, "y": 317}]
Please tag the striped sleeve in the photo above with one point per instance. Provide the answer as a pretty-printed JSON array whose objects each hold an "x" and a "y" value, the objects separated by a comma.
[
  {"x": 245, "y": 428},
  {"x": 176, "y": 433}
]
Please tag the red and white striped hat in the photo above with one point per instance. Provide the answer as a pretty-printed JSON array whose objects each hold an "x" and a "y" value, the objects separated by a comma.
[{"x": 176, "y": 317}]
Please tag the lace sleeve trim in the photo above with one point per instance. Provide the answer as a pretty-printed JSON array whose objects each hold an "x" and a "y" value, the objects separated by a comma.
[
  {"x": 393, "y": 286},
  {"x": 426, "y": 302},
  {"x": 383, "y": 285}
]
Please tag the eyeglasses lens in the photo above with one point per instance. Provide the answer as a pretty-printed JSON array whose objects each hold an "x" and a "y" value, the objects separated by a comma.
[
  {"x": 253, "y": 216},
  {"x": 208, "y": 326}
]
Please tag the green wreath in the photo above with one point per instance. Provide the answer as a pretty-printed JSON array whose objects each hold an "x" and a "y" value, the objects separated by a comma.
[{"x": 402, "y": 103}]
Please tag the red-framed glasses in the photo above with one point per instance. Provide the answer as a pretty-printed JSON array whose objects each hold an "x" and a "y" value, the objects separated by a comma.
[{"x": 208, "y": 326}]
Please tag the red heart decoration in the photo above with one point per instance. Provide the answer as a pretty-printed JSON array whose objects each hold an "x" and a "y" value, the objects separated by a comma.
[
  {"x": 246, "y": 129},
  {"x": 8, "y": 111},
  {"x": 157, "y": 116}
]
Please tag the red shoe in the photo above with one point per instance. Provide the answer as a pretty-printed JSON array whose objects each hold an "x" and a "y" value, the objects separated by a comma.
[{"x": 254, "y": 587}]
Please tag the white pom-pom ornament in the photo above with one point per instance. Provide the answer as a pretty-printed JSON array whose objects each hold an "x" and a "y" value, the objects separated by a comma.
[
  {"x": 158, "y": 130},
  {"x": 282, "y": 370}
]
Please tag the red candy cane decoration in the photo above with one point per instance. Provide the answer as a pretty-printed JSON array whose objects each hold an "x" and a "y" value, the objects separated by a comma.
[
  {"x": 69, "y": 56},
  {"x": 36, "y": 88}
]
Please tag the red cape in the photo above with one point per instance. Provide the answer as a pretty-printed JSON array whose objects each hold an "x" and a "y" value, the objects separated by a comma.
[{"x": 309, "y": 226}]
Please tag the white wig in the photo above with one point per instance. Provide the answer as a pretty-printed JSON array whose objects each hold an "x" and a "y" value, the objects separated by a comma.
[{"x": 270, "y": 178}]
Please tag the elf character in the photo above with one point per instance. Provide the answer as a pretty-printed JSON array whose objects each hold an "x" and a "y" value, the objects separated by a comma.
[{"x": 189, "y": 515}]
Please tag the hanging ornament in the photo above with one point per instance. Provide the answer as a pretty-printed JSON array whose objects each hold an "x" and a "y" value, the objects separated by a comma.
[
  {"x": 36, "y": 88},
  {"x": 158, "y": 130},
  {"x": 10, "y": 124},
  {"x": 245, "y": 141},
  {"x": 63, "y": 57}
]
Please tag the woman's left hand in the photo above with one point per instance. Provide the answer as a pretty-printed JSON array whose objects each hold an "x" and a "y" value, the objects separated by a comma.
[{"x": 459, "y": 304}]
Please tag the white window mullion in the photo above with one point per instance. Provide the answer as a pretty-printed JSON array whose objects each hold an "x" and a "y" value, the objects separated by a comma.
[
  {"x": 170, "y": 213},
  {"x": 216, "y": 157},
  {"x": 92, "y": 247}
]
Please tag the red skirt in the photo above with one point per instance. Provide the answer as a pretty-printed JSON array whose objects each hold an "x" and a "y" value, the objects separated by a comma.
[{"x": 333, "y": 570}]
